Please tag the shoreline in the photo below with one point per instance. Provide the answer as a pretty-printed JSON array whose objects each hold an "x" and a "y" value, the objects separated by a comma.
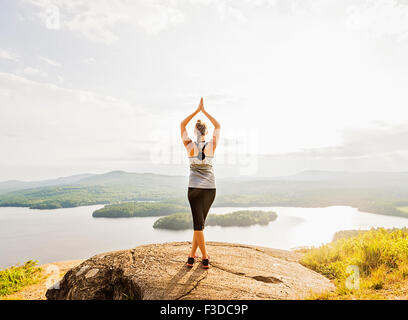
[{"x": 398, "y": 213}]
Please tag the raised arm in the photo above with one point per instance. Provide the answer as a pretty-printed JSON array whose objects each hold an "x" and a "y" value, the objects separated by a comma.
[
  {"x": 183, "y": 124},
  {"x": 217, "y": 128}
]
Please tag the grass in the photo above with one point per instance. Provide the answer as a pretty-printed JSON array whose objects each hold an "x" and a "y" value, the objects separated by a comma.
[
  {"x": 13, "y": 279},
  {"x": 367, "y": 265}
]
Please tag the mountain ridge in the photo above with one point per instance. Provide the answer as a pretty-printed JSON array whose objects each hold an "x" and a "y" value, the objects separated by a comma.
[{"x": 87, "y": 178}]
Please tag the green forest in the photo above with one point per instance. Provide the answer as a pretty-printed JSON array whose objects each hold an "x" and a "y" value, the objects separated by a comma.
[
  {"x": 138, "y": 209},
  {"x": 243, "y": 218}
]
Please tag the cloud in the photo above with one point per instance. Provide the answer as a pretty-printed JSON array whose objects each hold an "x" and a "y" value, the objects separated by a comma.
[
  {"x": 89, "y": 60},
  {"x": 379, "y": 149},
  {"x": 30, "y": 71},
  {"x": 50, "y": 62},
  {"x": 4, "y": 54},
  {"x": 216, "y": 98},
  {"x": 49, "y": 124},
  {"x": 97, "y": 19},
  {"x": 380, "y": 18},
  {"x": 92, "y": 19},
  {"x": 226, "y": 11},
  {"x": 157, "y": 17},
  {"x": 383, "y": 140}
]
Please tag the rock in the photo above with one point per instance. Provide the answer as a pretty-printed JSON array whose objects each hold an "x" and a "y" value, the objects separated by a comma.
[
  {"x": 158, "y": 271},
  {"x": 91, "y": 273},
  {"x": 82, "y": 270}
]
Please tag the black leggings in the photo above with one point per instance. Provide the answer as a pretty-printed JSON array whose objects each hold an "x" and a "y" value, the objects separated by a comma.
[{"x": 200, "y": 203}]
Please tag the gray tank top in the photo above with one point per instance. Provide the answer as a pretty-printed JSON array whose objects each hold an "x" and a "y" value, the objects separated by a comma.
[{"x": 201, "y": 170}]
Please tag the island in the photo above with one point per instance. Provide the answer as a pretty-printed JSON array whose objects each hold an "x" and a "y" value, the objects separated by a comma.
[
  {"x": 138, "y": 209},
  {"x": 242, "y": 218}
]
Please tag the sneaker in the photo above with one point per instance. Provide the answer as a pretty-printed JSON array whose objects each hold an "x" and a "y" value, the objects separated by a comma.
[
  {"x": 190, "y": 261},
  {"x": 205, "y": 263}
]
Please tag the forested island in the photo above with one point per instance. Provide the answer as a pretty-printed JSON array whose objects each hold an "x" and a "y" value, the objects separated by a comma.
[
  {"x": 138, "y": 209},
  {"x": 243, "y": 218}
]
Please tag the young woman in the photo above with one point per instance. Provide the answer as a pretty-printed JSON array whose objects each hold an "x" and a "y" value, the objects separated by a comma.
[{"x": 201, "y": 187}]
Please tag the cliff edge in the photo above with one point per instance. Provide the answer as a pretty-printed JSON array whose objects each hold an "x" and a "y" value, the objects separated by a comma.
[{"x": 157, "y": 271}]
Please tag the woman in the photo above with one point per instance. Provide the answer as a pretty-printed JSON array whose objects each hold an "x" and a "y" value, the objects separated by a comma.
[{"x": 201, "y": 187}]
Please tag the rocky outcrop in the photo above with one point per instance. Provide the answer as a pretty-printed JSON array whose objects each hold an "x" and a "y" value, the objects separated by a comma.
[{"x": 157, "y": 271}]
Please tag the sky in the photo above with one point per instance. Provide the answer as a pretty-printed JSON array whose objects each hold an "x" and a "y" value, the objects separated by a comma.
[{"x": 90, "y": 86}]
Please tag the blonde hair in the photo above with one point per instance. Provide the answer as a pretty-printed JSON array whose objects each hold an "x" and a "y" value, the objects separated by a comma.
[{"x": 201, "y": 127}]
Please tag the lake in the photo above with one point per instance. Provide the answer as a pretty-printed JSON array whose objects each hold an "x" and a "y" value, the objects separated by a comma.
[{"x": 72, "y": 233}]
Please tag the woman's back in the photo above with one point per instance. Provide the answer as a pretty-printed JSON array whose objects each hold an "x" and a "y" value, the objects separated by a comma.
[{"x": 201, "y": 167}]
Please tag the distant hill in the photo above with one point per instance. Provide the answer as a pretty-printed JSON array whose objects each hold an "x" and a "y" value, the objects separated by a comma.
[
  {"x": 119, "y": 177},
  {"x": 129, "y": 178},
  {"x": 111, "y": 187},
  {"x": 105, "y": 179},
  {"x": 14, "y": 185},
  {"x": 320, "y": 175}
]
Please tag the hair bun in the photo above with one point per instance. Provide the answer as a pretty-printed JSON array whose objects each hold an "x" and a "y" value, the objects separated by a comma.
[{"x": 201, "y": 127}]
